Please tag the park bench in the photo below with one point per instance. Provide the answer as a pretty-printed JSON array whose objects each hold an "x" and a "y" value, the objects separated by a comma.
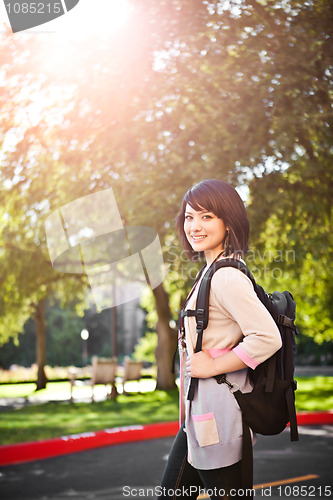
[
  {"x": 103, "y": 371},
  {"x": 132, "y": 371}
]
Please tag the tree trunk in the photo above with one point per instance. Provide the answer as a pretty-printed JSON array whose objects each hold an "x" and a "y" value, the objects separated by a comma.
[
  {"x": 167, "y": 341},
  {"x": 41, "y": 344},
  {"x": 114, "y": 343}
]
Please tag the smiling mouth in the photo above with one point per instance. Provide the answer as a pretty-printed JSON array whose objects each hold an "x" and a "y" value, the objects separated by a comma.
[{"x": 198, "y": 238}]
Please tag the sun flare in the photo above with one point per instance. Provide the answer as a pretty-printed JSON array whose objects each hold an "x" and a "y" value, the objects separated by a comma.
[
  {"x": 94, "y": 17},
  {"x": 87, "y": 18}
]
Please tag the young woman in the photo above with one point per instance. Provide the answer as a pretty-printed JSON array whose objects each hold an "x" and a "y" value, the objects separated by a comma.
[{"x": 207, "y": 451}]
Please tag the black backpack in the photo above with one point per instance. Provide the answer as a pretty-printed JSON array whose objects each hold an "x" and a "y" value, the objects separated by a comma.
[{"x": 270, "y": 406}]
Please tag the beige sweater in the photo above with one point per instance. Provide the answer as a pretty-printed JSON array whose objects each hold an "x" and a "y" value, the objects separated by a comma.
[{"x": 237, "y": 319}]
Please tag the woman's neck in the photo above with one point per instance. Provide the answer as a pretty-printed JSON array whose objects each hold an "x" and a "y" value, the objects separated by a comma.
[{"x": 211, "y": 256}]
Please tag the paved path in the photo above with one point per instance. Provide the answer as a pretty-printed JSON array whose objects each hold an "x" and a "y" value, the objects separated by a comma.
[
  {"x": 132, "y": 470},
  {"x": 83, "y": 394}
]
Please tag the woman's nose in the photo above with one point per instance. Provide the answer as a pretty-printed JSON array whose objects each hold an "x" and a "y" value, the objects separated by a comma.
[{"x": 195, "y": 226}]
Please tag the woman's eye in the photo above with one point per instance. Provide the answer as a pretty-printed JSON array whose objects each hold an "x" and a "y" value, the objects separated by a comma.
[{"x": 207, "y": 217}]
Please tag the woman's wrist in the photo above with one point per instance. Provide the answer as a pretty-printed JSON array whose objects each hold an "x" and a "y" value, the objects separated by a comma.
[
  {"x": 227, "y": 363},
  {"x": 202, "y": 365},
  {"x": 216, "y": 367}
]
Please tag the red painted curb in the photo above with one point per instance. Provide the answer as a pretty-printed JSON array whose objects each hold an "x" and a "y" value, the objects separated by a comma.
[
  {"x": 37, "y": 450},
  {"x": 315, "y": 418}
]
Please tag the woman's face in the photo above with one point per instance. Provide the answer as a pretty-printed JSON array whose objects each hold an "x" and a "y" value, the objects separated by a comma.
[{"x": 204, "y": 231}]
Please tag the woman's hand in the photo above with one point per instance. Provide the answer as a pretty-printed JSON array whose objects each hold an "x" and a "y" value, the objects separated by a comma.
[{"x": 200, "y": 365}]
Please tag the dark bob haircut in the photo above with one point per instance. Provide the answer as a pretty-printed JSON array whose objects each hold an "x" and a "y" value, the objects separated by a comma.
[{"x": 223, "y": 201}]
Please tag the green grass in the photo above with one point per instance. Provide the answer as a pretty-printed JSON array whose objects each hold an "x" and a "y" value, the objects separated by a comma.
[
  {"x": 29, "y": 389},
  {"x": 314, "y": 393},
  {"x": 54, "y": 419}
]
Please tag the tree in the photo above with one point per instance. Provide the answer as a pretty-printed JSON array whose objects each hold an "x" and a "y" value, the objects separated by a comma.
[
  {"x": 27, "y": 188},
  {"x": 295, "y": 210},
  {"x": 238, "y": 90},
  {"x": 27, "y": 279}
]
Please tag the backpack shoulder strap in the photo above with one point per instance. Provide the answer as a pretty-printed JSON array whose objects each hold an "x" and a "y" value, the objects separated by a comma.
[
  {"x": 184, "y": 313},
  {"x": 201, "y": 312},
  {"x": 202, "y": 307},
  {"x": 189, "y": 312},
  {"x": 237, "y": 264}
]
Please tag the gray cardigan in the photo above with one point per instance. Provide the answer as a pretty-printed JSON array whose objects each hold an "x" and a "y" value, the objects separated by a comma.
[{"x": 238, "y": 321}]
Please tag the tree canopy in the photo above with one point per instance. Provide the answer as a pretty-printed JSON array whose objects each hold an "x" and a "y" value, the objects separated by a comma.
[{"x": 239, "y": 90}]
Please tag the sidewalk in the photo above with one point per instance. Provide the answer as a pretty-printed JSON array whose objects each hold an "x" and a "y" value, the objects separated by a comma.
[
  {"x": 83, "y": 394},
  {"x": 80, "y": 394},
  {"x": 133, "y": 470},
  {"x": 313, "y": 371}
]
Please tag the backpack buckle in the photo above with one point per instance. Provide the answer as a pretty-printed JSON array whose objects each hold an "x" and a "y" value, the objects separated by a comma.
[
  {"x": 200, "y": 319},
  {"x": 285, "y": 321},
  {"x": 222, "y": 379}
]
